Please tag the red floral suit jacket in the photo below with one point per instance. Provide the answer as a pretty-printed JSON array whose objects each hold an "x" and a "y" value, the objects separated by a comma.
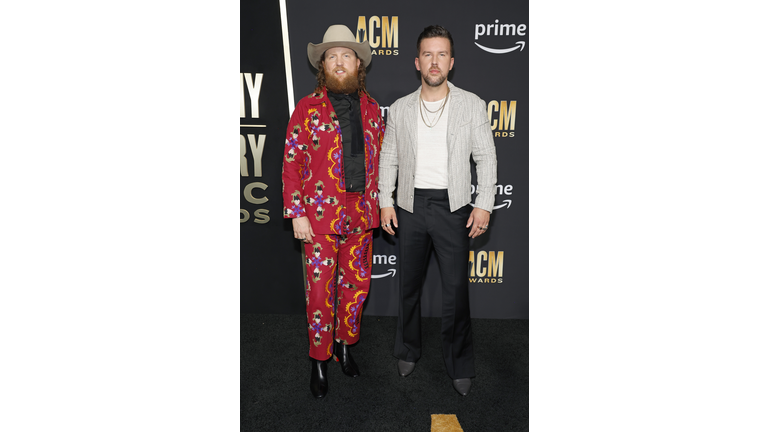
[{"x": 313, "y": 169}]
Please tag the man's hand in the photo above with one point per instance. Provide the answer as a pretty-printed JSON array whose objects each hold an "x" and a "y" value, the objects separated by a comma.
[
  {"x": 302, "y": 229},
  {"x": 388, "y": 218},
  {"x": 479, "y": 221}
]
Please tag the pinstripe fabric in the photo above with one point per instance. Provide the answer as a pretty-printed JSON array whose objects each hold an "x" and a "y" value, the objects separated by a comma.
[{"x": 469, "y": 135}]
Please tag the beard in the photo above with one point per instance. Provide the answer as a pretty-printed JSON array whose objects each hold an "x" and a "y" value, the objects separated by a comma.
[
  {"x": 433, "y": 81},
  {"x": 345, "y": 85}
]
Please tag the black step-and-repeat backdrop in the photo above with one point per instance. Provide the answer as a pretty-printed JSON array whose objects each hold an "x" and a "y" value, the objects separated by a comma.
[
  {"x": 491, "y": 60},
  {"x": 270, "y": 272}
]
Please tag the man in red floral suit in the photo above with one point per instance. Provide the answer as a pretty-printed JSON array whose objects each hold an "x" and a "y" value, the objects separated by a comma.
[{"x": 330, "y": 190}]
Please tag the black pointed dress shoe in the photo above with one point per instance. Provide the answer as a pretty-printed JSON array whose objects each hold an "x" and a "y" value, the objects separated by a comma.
[
  {"x": 405, "y": 368},
  {"x": 318, "y": 383},
  {"x": 341, "y": 354},
  {"x": 462, "y": 385}
]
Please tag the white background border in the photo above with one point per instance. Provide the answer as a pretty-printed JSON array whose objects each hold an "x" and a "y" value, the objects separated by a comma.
[{"x": 120, "y": 231}]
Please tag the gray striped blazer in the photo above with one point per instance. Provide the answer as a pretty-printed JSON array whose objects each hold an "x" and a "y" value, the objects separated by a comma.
[{"x": 469, "y": 134}]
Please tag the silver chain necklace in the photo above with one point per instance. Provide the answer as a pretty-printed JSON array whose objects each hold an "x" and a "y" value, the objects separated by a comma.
[{"x": 441, "y": 109}]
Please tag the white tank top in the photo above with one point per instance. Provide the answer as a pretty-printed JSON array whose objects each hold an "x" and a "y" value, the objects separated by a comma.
[{"x": 432, "y": 148}]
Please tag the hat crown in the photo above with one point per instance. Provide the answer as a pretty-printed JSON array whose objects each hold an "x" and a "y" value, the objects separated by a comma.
[{"x": 338, "y": 33}]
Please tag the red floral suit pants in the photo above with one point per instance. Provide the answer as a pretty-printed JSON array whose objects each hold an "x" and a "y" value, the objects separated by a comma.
[{"x": 338, "y": 280}]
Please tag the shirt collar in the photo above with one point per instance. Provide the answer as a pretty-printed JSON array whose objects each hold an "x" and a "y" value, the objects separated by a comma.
[{"x": 339, "y": 96}]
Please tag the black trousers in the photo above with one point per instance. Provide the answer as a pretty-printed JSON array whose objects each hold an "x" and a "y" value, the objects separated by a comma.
[{"x": 433, "y": 224}]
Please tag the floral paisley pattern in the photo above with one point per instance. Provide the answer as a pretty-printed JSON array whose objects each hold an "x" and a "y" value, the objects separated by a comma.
[
  {"x": 313, "y": 150},
  {"x": 338, "y": 261}
]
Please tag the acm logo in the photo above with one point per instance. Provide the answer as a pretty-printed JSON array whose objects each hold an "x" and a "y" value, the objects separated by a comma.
[
  {"x": 502, "y": 115},
  {"x": 382, "y": 34},
  {"x": 486, "y": 267}
]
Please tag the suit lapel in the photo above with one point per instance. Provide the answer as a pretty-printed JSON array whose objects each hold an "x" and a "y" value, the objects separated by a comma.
[
  {"x": 412, "y": 120},
  {"x": 453, "y": 117}
]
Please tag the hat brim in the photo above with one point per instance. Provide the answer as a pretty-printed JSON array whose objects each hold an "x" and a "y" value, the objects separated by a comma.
[{"x": 315, "y": 51}]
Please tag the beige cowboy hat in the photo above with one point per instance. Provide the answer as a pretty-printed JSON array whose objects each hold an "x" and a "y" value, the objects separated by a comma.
[{"x": 339, "y": 36}]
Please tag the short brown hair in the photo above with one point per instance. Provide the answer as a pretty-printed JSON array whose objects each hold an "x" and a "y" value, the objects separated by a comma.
[{"x": 431, "y": 32}]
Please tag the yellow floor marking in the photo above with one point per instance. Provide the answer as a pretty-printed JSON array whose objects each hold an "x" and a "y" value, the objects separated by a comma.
[{"x": 445, "y": 423}]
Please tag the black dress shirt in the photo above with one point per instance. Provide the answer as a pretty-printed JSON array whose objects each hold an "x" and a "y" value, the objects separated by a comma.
[{"x": 347, "y": 108}]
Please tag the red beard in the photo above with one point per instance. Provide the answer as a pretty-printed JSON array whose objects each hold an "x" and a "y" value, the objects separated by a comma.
[{"x": 345, "y": 85}]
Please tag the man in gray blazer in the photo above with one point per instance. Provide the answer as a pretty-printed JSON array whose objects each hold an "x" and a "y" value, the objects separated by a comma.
[{"x": 430, "y": 136}]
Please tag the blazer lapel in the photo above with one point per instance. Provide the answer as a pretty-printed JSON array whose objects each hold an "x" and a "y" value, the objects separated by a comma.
[
  {"x": 454, "y": 116},
  {"x": 413, "y": 114}
]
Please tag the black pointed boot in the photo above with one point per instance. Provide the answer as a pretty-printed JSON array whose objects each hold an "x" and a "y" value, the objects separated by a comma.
[
  {"x": 318, "y": 383},
  {"x": 341, "y": 354}
]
